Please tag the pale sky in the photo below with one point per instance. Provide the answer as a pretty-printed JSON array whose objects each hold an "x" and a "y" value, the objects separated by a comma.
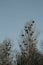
[{"x": 15, "y": 13}]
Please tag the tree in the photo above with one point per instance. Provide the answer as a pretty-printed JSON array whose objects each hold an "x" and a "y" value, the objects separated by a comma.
[
  {"x": 6, "y": 53},
  {"x": 29, "y": 53}
]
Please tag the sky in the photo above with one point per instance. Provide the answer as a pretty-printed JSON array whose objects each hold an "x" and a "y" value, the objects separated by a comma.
[{"x": 15, "y": 13}]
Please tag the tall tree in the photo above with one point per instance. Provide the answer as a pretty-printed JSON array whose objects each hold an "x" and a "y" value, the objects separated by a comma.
[{"x": 29, "y": 53}]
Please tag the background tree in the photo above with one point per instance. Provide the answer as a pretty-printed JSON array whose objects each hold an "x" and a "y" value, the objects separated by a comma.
[
  {"x": 6, "y": 53},
  {"x": 29, "y": 52}
]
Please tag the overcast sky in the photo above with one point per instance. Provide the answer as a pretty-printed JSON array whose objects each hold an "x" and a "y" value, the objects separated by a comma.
[{"x": 15, "y": 13}]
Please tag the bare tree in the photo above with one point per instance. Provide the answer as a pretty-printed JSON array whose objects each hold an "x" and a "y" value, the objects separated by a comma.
[
  {"x": 6, "y": 53},
  {"x": 29, "y": 54}
]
